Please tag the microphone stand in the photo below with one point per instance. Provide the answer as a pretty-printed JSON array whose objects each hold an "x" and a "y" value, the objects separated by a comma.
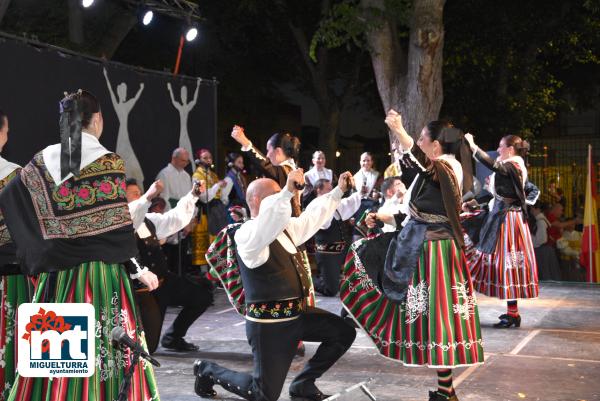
[{"x": 126, "y": 383}]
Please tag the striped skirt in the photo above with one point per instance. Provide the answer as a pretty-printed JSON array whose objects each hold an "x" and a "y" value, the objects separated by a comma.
[
  {"x": 438, "y": 324},
  {"x": 107, "y": 287},
  {"x": 511, "y": 271},
  {"x": 15, "y": 290}
]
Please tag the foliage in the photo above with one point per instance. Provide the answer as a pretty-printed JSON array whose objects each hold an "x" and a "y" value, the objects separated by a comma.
[{"x": 510, "y": 67}]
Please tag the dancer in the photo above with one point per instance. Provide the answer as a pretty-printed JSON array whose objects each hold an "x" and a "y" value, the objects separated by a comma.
[
  {"x": 503, "y": 263},
  {"x": 122, "y": 108},
  {"x": 184, "y": 109},
  {"x": 317, "y": 172},
  {"x": 277, "y": 316},
  {"x": 282, "y": 152},
  {"x": 14, "y": 288},
  {"x": 68, "y": 217},
  {"x": 332, "y": 241},
  {"x": 150, "y": 230},
  {"x": 421, "y": 309}
]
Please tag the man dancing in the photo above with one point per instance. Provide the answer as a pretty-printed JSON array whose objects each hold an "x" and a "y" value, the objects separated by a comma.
[{"x": 276, "y": 287}]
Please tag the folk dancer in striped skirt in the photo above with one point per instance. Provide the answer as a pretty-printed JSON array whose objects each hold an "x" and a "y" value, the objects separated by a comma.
[
  {"x": 417, "y": 302},
  {"x": 14, "y": 288},
  {"x": 502, "y": 259},
  {"x": 67, "y": 215}
]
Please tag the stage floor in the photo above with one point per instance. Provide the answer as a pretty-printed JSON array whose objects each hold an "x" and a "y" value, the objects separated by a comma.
[{"x": 554, "y": 356}]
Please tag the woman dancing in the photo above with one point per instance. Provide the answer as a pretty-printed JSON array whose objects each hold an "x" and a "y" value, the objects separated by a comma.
[{"x": 421, "y": 309}]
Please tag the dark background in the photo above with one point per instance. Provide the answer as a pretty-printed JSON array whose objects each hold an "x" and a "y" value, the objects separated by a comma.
[{"x": 34, "y": 78}]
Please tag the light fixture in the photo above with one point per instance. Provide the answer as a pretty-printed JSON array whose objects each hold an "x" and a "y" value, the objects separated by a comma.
[
  {"x": 147, "y": 16},
  {"x": 87, "y": 3},
  {"x": 338, "y": 153},
  {"x": 191, "y": 33}
]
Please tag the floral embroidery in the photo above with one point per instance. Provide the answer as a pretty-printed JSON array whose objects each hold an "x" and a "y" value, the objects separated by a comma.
[
  {"x": 466, "y": 306},
  {"x": 515, "y": 260},
  {"x": 417, "y": 301},
  {"x": 275, "y": 309},
  {"x": 93, "y": 204}
]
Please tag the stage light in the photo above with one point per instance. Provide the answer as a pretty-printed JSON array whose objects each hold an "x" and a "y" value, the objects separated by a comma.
[
  {"x": 148, "y": 15},
  {"x": 338, "y": 153},
  {"x": 87, "y": 3},
  {"x": 191, "y": 34}
]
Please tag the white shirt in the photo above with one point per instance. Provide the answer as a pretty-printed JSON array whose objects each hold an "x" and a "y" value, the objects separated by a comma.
[
  {"x": 91, "y": 150},
  {"x": 275, "y": 215},
  {"x": 541, "y": 234},
  {"x": 564, "y": 243},
  {"x": 348, "y": 206},
  {"x": 390, "y": 206},
  {"x": 177, "y": 183},
  {"x": 368, "y": 178},
  {"x": 6, "y": 167},
  {"x": 167, "y": 223},
  {"x": 212, "y": 192},
  {"x": 313, "y": 175}
]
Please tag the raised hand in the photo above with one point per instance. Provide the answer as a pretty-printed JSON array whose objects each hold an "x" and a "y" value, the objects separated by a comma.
[
  {"x": 238, "y": 134},
  {"x": 295, "y": 179},
  {"x": 346, "y": 181}
]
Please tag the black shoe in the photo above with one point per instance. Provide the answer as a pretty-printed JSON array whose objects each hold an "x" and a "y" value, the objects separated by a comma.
[
  {"x": 436, "y": 396},
  {"x": 177, "y": 344},
  {"x": 507, "y": 321},
  {"x": 204, "y": 384},
  {"x": 318, "y": 396}
]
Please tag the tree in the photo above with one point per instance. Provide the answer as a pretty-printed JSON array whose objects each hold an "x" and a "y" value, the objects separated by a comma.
[
  {"x": 511, "y": 66},
  {"x": 405, "y": 41}
]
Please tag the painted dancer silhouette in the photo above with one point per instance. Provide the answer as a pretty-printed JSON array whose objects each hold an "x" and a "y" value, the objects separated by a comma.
[
  {"x": 184, "y": 109},
  {"x": 122, "y": 108}
]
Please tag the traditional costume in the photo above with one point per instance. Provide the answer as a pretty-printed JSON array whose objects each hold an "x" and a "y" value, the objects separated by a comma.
[
  {"x": 502, "y": 259},
  {"x": 277, "y": 316},
  {"x": 67, "y": 215},
  {"x": 411, "y": 290},
  {"x": 14, "y": 290}
]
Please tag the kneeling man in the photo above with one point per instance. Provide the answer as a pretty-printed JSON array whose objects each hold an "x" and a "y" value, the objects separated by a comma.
[{"x": 276, "y": 287}]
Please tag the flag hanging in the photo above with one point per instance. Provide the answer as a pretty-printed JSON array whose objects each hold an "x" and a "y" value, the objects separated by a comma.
[{"x": 590, "y": 254}]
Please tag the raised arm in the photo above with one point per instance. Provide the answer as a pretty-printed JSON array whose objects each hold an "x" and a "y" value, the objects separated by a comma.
[
  {"x": 175, "y": 102},
  {"x": 138, "y": 94},
  {"x": 256, "y": 158},
  {"x": 110, "y": 90},
  {"x": 193, "y": 102},
  {"x": 318, "y": 212},
  {"x": 484, "y": 158}
]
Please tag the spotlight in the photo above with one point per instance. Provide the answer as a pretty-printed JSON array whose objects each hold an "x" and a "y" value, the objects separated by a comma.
[
  {"x": 148, "y": 15},
  {"x": 191, "y": 34},
  {"x": 87, "y": 3}
]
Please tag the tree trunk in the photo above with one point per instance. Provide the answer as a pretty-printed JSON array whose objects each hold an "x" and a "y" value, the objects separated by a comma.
[
  {"x": 329, "y": 127},
  {"x": 411, "y": 82},
  {"x": 75, "y": 22},
  {"x": 3, "y": 7}
]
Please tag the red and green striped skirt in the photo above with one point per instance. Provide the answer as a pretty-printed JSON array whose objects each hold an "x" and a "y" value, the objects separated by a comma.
[
  {"x": 511, "y": 271},
  {"x": 15, "y": 290},
  {"x": 438, "y": 324},
  {"x": 108, "y": 288}
]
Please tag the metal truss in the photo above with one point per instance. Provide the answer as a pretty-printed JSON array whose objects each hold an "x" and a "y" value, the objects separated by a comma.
[{"x": 180, "y": 9}]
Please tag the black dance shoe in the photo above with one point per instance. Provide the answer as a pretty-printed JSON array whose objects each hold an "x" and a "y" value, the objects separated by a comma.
[
  {"x": 507, "y": 321},
  {"x": 177, "y": 344},
  {"x": 204, "y": 384},
  {"x": 318, "y": 396},
  {"x": 436, "y": 396}
]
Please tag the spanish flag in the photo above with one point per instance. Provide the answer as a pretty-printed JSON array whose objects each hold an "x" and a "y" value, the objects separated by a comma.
[{"x": 590, "y": 254}]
